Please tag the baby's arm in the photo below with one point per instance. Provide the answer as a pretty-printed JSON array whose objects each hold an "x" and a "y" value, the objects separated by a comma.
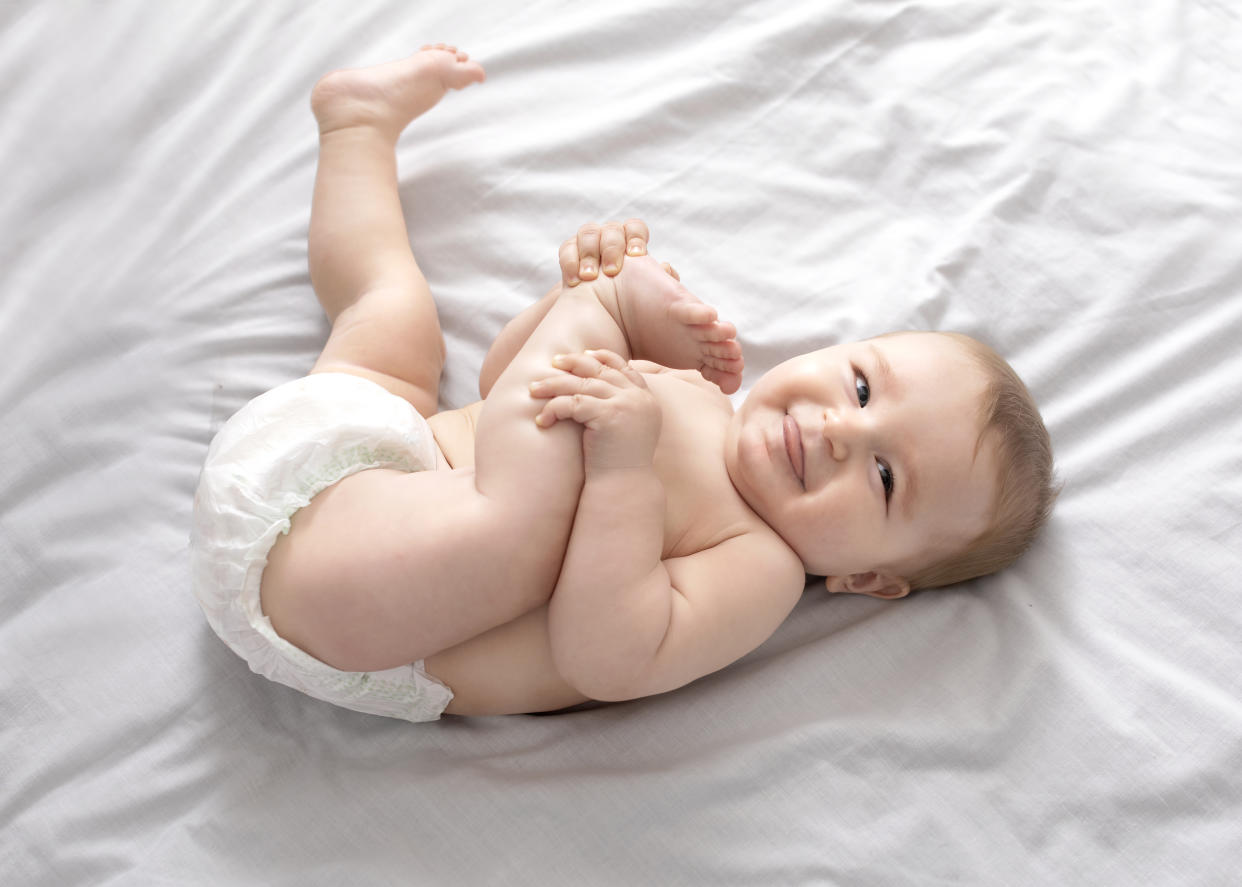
[{"x": 623, "y": 622}]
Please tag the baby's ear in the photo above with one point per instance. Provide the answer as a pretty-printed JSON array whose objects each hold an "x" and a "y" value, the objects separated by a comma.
[{"x": 881, "y": 585}]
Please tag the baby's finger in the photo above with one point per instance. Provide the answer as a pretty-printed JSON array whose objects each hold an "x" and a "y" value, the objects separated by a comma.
[
  {"x": 588, "y": 251},
  {"x": 635, "y": 377},
  {"x": 568, "y": 257},
  {"x": 569, "y": 385},
  {"x": 607, "y": 358},
  {"x": 610, "y": 360},
  {"x": 636, "y": 237},
  {"x": 577, "y": 407},
  {"x": 611, "y": 248},
  {"x": 581, "y": 364}
]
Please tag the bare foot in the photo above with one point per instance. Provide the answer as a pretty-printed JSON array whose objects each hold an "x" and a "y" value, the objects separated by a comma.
[
  {"x": 665, "y": 323},
  {"x": 390, "y": 95}
]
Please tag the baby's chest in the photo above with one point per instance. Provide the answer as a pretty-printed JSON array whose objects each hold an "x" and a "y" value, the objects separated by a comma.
[{"x": 700, "y": 500}]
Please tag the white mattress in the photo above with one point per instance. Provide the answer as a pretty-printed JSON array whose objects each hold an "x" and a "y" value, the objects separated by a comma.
[{"x": 1062, "y": 179}]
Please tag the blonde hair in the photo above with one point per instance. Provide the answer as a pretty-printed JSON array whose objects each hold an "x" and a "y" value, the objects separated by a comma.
[{"x": 1026, "y": 486}]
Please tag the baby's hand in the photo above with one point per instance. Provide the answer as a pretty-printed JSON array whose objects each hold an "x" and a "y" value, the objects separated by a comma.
[
  {"x": 600, "y": 391},
  {"x": 603, "y": 246}
]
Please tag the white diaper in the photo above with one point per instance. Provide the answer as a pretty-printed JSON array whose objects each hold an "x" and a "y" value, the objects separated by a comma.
[{"x": 267, "y": 462}]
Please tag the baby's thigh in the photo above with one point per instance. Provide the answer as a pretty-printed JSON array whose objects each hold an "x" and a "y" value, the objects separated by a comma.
[{"x": 385, "y": 568}]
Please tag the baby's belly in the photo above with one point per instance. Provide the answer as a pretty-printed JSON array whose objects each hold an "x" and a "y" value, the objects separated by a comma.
[{"x": 507, "y": 670}]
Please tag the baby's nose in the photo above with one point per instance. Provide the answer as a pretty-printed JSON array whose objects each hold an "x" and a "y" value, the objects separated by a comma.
[{"x": 836, "y": 436}]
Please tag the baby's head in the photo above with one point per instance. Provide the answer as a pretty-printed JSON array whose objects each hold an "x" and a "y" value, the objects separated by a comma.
[{"x": 911, "y": 460}]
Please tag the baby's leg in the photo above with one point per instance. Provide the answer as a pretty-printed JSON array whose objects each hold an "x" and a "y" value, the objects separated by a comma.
[
  {"x": 509, "y": 341},
  {"x": 384, "y": 321},
  {"x": 636, "y": 315},
  {"x": 385, "y": 568}
]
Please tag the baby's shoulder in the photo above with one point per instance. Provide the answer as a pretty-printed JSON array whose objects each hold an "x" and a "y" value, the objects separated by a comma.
[
  {"x": 748, "y": 549},
  {"x": 771, "y": 555}
]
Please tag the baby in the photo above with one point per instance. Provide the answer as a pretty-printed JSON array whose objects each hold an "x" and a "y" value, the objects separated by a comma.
[{"x": 604, "y": 525}]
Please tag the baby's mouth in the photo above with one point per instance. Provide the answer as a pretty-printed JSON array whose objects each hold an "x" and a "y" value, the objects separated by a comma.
[{"x": 793, "y": 447}]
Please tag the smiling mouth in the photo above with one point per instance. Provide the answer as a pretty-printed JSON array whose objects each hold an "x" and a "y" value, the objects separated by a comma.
[{"x": 793, "y": 447}]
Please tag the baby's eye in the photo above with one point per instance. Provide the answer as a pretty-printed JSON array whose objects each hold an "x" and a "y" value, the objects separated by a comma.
[
  {"x": 862, "y": 389},
  {"x": 886, "y": 478}
]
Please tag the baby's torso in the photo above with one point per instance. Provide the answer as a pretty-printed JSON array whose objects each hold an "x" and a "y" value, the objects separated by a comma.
[
  {"x": 511, "y": 667},
  {"x": 701, "y": 502}
]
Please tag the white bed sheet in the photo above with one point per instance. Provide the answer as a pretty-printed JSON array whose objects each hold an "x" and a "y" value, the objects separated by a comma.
[{"x": 1062, "y": 179}]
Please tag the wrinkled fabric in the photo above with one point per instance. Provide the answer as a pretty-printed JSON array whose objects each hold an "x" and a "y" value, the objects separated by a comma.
[{"x": 1060, "y": 178}]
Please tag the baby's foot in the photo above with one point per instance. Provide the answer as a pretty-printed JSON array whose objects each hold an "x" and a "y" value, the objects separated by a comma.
[
  {"x": 390, "y": 95},
  {"x": 665, "y": 323}
]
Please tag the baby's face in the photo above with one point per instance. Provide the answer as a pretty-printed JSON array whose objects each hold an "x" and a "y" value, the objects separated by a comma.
[{"x": 863, "y": 456}]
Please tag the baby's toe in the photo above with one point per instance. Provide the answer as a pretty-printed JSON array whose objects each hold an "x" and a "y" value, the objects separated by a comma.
[
  {"x": 462, "y": 74},
  {"x": 728, "y": 351},
  {"x": 719, "y": 331},
  {"x": 692, "y": 312},
  {"x": 728, "y": 382}
]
